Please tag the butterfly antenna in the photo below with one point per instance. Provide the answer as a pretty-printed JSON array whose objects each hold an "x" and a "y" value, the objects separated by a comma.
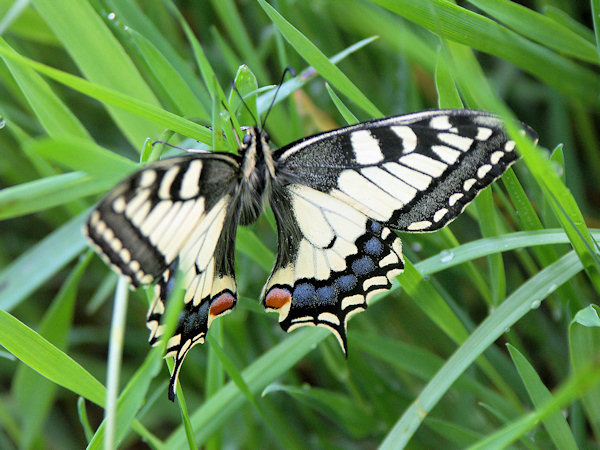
[
  {"x": 235, "y": 89},
  {"x": 235, "y": 135},
  {"x": 285, "y": 71}
]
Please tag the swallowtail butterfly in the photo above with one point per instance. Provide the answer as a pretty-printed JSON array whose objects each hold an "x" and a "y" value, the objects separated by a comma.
[{"x": 336, "y": 196}]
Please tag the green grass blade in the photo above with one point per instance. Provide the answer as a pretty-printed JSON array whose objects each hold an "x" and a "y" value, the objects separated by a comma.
[
  {"x": 135, "y": 17},
  {"x": 510, "y": 311},
  {"x": 560, "y": 16},
  {"x": 539, "y": 28},
  {"x": 175, "y": 86},
  {"x": 35, "y": 266},
  {"x": 448, "y": 96},
  {"x": 112, "y": 97},
  {"x": 362, "y": 18},
  {"x": 596, "y": 21},
  {"x": 305, "y": 76},
  {"x": 48, "y": 192},
  {"x": 35, "y": 394},
  {"x": 48, "y": 360},
  {"x": 556, "y": 425},
  {"x": 53, "y": 114},
  {"x": 234, "y": 24},
  {"x": 267, "y": 368},
  {"x": 423, "y": 365},
  {"x": 343, "y": 109},
  {"x": 101, "y": 59},
  {"x": 584, "y": 345},
  {"x": 466, "y": 27},
  {"x": 486, "y": 216},
  {"x": 487, "y": 246},
  {"x": 84, "y": 156},
  {"x": 319, "y": 61},
  {"x": 573, "y": 388},
  {"x": 248, "y": 243},
  {"x": 26, "y": 23},
  {"x": 131, "y": 400},
  {"x": 340, "y": 408}
]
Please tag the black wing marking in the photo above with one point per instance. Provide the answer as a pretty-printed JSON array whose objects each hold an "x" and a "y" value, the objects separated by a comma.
[
  {"x": 174, "y": 215},
  {"x": 415, "y": 172},
  {"x": 331, "y": 260}
]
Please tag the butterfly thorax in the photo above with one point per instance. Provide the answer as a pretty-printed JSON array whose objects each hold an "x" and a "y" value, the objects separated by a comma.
[{"x": 257, "y": 171}]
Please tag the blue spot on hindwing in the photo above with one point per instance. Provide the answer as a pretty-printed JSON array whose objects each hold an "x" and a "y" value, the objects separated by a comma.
[
  {"x": 304, "y": 294},
  {"x": 375, "y": 227},
  {"x": 374, "y": 247},
  {"x": 346, "y": 283},
  {"x": 326, "y": 295},
  {"x": 363, "y": 266}
]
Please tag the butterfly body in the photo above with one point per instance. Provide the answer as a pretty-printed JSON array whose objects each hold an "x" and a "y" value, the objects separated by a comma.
[{"x": 336, "y": 197}]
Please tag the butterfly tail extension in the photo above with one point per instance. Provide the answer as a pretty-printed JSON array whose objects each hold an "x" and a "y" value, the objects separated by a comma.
[{"x": 331, "y": 261}]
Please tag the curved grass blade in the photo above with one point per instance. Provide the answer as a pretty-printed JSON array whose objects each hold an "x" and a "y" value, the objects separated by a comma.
[{"x": 528, "y": 295}]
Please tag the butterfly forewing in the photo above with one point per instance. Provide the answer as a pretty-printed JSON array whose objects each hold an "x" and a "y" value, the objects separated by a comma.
[{"x": 412, "y": 173}]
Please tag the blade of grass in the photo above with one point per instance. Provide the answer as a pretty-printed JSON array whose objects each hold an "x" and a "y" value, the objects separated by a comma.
[
  {"x": 208, "y": 75},
  {"x": 480, "y": 33},
  {"x": 113, "y": 367},
  {"x": 286, "y": 441},
  {"x": 360, "y": 17},
  {"x": 509, "y": 312},
  {"x": 234, "y": 24},
  {"x": 33, "y": 393},
  {"x": 35, "y": 266},
  {"x": 85, "y": 156},
  {"x": 129, "y": 402},
  {"x": 584, "y": 342},
  {"x": 319, "y": 61},
  {"x": 423, "y": 365},
  {"x": 558, "y": 15},
  {"x": 49, "y": 192},
  {"x": 539, "y": 28},
  {"x": 555, "y": 424},
  {"x": 110, "y": 96},
  {"x": 175, "y": 86},
  {"x": 304, "y": 77},
  {"x": 340, "y": 408},
  {"x": 134, "y": 16},
  {"x": 573, "y": 388},
  {"x": 101, "y": 59},
  {"x": 341, "y": 107},
  {"x": 486, "y": 216},
  {"x": 53, "y": 114},
  {"x": 48, "y": 360},
  {"x": 596, "y": 21}
]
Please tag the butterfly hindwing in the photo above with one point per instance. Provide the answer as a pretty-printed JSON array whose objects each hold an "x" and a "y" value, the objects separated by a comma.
[
  {"x": 415, "y": 172},
  {"x": 331, "y": 260}
]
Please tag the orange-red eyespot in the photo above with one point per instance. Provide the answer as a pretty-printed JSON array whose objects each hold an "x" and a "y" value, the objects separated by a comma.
[
  {"x": 277, "y": 298},
  {"x": 221, "y": 304}
]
